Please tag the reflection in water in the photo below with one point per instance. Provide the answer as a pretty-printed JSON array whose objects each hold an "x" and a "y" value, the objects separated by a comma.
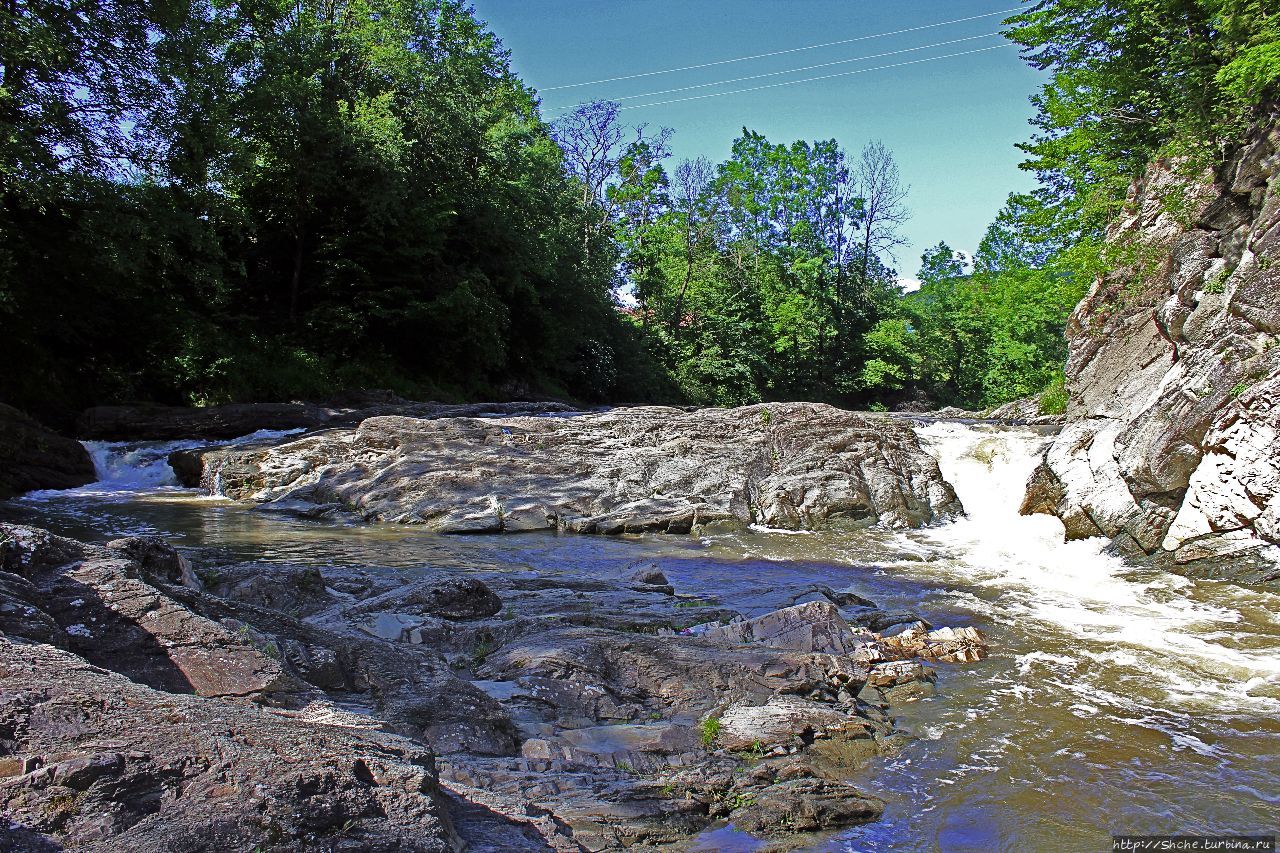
[{"x": 1117, "y": 699}]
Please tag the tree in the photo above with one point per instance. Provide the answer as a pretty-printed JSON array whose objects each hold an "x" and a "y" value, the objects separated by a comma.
[
  {"x": 1131, "y": 79},
  {"x": 609, "y": 159},
  {"x": 884, "y": 208},
  {"x": 940, "y": 264},
  {"x": 693, "y": 181}
]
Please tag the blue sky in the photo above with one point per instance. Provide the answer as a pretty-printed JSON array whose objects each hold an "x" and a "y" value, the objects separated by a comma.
[{"x": 951, "y": 123}]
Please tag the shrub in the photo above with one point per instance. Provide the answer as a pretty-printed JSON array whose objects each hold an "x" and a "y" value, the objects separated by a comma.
[{"x": 1053, "y": 399}]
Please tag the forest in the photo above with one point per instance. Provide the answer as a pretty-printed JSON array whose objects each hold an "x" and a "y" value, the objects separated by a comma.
[{"x": 207, "y": 201}]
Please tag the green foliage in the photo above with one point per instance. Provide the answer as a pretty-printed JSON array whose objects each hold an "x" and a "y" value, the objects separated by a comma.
[
  {"x": 209, "y": 202},
  {"x": 709, "y": 729},
  {"x": 982, "y": 339},
  {"x": 1130, "y": 80},
  {"x": 1218, "y": 283},
  {"x": 754, "y": 277},
  {"x": 1053, "y": 399}
]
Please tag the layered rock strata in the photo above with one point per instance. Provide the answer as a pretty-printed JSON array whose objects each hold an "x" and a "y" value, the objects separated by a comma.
[{"x": 1170, "y": 447}]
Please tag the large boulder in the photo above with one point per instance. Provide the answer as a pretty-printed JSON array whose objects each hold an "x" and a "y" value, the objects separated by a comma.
[
  {"x": 788, "y": 465},
  {"x": 32, "y": 457},
  {"x": 95, "y": 761},
  {"x": 806, "y": 805},
  {"x": 815, "y": 626},
  {"x": 1173, "y": 374},
  {"x": 107, "y": 609}
]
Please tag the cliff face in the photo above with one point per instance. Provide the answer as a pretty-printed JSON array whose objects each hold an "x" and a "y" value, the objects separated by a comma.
[{"x": 1171, "y": 445}]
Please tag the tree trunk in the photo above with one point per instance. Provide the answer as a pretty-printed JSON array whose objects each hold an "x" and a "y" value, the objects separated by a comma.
[{"x": 295, "y": 282}]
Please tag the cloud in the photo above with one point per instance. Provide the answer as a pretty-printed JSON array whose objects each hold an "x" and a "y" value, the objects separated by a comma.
[{"x": 909, "y": 285}]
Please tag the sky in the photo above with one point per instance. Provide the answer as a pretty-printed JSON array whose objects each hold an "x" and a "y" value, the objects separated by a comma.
[{"x": 951, "y": 123}]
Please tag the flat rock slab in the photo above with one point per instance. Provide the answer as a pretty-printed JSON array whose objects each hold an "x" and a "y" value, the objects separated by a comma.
[{"x": 785, "y": 465}]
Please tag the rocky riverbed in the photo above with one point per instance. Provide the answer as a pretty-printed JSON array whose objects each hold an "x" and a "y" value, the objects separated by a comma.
[
  {"x": 290, "y": 705},
  {"x": 291, "y": 676}
]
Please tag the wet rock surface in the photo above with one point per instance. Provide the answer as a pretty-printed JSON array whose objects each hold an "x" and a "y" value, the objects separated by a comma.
[
  {"x": 147, "y": 702},
  {"x": 32, "y": 457},
  {"x": 787, "y": 465},
  {"x": 1170, "y": 443}
]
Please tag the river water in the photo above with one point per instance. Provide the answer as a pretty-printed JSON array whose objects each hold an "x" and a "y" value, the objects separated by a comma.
[{"x": 1117, "y": 699}]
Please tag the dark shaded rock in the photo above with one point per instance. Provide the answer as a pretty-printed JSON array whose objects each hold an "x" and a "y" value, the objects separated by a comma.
[
  {"x": 132, "y": 423},
  {"x": 296, "y": 590},
  {"x": 117, "y": 765},
  {"x": 32, "y": 457},
  {"x": 649, "y": 575},
  {"x": 879, "y": 621},
  {"x": 457, "y": 598},
  {"x": 157, "y": 560},
  {"x": 806, "y": 805}
]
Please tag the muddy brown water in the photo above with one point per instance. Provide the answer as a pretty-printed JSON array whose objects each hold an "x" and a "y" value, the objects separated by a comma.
[{"x": 1117, "y": 699}]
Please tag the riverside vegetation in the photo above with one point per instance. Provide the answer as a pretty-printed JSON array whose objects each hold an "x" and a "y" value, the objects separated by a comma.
[{"x": 290, "y": 197}]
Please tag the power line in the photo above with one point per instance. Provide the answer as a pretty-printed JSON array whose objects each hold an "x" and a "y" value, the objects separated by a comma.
[
  {"x": 791, "y": 70},
  {"x": 780, "y": 52},
  {"x": 821, "y": 77}
]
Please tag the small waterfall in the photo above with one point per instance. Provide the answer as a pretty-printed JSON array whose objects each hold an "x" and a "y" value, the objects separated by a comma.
[
  {"x": 133, "y": 467},
  {"x": 1188, "y": 633},
  {"x": 125, "y": 466}
]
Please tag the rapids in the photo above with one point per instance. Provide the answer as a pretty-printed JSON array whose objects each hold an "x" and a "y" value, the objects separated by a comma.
[{"x": 1118, "y": 698}]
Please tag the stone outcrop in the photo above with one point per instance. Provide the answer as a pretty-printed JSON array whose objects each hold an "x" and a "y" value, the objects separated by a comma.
[
  {"x": 806, "y": 805},
  {"x": 32, "y": 457},
  {"x": 1173, "y": 374},
  {"x": 232, "y": 420},
  {"x": 136, "y": 712},
  {"x": 950, "y": 645},
  {"x": 787, "y": 465}
]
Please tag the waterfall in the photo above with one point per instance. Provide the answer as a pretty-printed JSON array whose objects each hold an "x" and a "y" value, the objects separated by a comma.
[
  {"x": 124, "y": 466},
  {"x": 1188, "y": 632},
  {"x": 131, "y": 467}
]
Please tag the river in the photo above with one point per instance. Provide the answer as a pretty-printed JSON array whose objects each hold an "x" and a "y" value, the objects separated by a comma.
[{"x": 1117, "y": 699}]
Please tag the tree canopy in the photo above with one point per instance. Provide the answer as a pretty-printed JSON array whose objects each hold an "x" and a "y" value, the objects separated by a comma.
[{"x": 206, "y": 201}]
